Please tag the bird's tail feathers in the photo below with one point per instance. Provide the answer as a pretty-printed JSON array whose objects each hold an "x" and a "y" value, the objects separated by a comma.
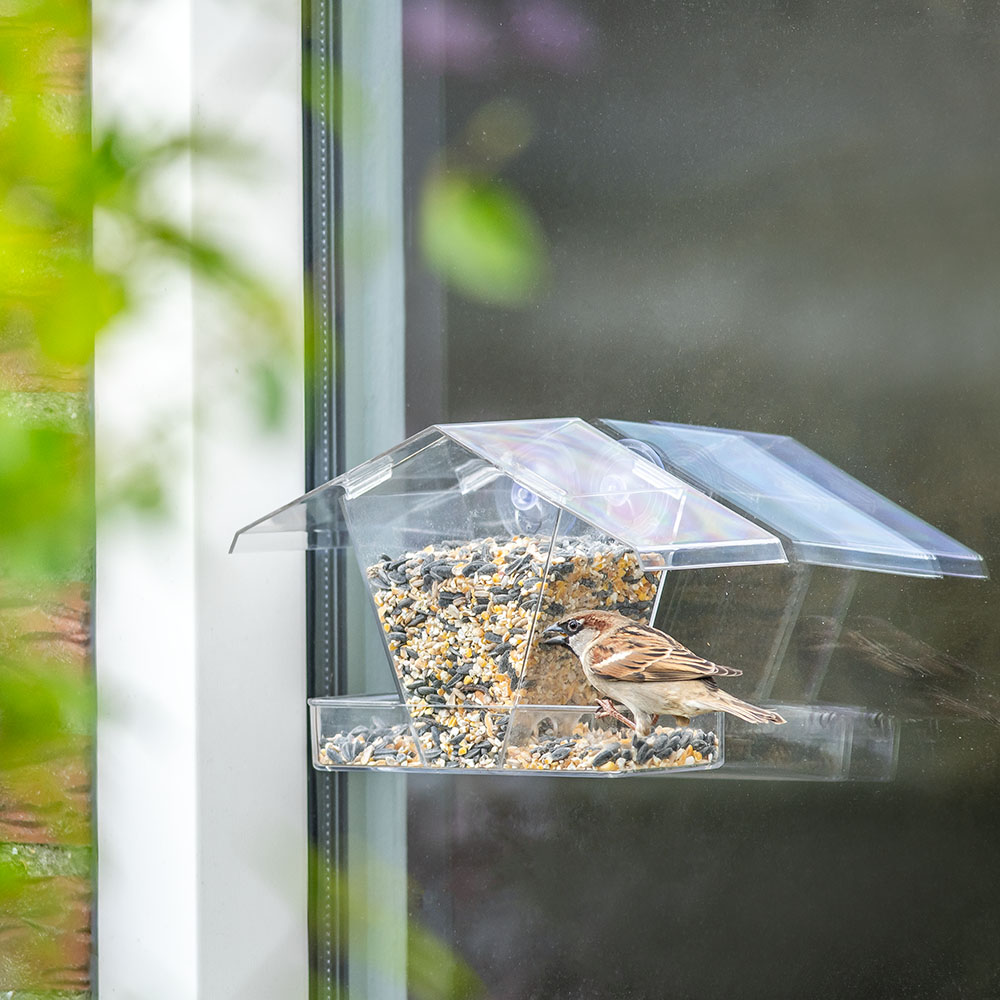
[{"x": 744, "y": 710}]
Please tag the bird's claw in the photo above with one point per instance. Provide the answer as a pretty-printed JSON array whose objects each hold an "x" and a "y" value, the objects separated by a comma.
[{"x": 606, "y": 709}]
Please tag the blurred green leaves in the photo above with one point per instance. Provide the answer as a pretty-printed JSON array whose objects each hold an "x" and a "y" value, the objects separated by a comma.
[
  {"x": 481, "y": 238},
  {"x": 88, "y": 230},
  {"x": 64, "y": 189},
  {"x": 433, "y": 969},
  {"x": 477, "y": 233},
  {"x": 46, "y": 507},
  {"x": 46, "y": 712}
]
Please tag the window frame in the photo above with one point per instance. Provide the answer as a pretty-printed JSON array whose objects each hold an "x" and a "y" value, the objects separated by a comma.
[
  {"x": 354, "y": 168},
  {"x": 202, "y": 847}
]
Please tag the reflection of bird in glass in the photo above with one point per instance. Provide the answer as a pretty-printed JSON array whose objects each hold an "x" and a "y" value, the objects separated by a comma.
[
  {"x": 880, "y": 644},
  {"x": 647, "y": 671},
  {"x": 895, "y": 670}
]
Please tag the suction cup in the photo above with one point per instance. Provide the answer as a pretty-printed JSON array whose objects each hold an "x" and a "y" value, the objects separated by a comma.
[
  {"x": 642, "y": 511},
  {"x": 521, "y": 509},
  {"x": 646, "y": 450}
]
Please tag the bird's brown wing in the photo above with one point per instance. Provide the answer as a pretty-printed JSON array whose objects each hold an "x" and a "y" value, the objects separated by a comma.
[{"x": 637, "y": 653}]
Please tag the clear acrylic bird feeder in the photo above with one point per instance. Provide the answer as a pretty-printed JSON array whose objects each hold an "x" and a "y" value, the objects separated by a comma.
[{"x": 471, "y": 538}]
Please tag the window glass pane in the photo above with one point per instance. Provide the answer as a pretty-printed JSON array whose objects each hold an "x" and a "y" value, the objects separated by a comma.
[{"x": 780, "y": 218}]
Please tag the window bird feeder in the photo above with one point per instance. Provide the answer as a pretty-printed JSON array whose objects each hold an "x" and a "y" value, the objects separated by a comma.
[{"x": 472, "y": 538}]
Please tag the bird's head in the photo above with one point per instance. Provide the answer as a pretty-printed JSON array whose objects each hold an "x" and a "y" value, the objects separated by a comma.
[{"x": 579, "y": 629}]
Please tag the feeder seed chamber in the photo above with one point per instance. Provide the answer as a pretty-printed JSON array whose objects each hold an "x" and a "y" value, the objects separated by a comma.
[{"x": 472, "y": 538}]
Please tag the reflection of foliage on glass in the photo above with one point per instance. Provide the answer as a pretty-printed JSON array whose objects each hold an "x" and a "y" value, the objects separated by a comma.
[
  {"x": 477, "y": 232},
  {"x": 432, "y": 971}
]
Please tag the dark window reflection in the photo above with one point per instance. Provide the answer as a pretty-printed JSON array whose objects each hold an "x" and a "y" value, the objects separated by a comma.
[{"x": 780, "y": 217}]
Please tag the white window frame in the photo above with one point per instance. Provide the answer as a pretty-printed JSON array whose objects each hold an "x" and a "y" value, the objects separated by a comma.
[{"x": 200, "y": 656}]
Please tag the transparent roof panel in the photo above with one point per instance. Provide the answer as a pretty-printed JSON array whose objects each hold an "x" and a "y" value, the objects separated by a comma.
[
  {"x": 564, "y": 462},
  {"x": 579, "y": 468},
  {"x": 826, "y": 516},
  {"x": 316, "y": 519}
]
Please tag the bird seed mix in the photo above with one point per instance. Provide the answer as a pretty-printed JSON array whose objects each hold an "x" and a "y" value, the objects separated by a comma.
[
  {"x": 587, "y": 749},
  {"x": 377, "y": 745},
  {"x": 458, "y": 623}
]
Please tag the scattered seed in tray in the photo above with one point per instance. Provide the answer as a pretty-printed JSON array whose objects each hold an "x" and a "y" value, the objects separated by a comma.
[
  {"x": 603, "y": 750},
  {"x": 459, "y": 736},
  {"x": 371, "y": 746}
]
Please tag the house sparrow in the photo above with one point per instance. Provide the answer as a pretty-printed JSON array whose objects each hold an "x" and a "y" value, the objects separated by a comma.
[{"x": 647, "y": 671}]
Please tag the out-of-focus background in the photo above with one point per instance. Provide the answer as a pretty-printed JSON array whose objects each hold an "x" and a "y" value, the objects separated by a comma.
[
  {"x": 777, "y": 216},
  {"x": 780, "y": 217}
]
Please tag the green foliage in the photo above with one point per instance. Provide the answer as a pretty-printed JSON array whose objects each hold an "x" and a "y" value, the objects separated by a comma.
[
  {"x": 64, "y": 189},
  {"x": 46, "y": 712},
  {"x": 477, "y": 232},
  {"x": 482, "y": 238},
  {"x": 433, "y": 970},
  {"x": 46, "y": 507}
]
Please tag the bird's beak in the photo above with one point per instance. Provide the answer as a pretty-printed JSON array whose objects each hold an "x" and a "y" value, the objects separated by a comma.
[{"x": 554, "y": 636}]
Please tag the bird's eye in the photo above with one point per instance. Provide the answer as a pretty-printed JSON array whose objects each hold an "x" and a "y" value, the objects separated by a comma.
[{"x": 574, "y": 625}]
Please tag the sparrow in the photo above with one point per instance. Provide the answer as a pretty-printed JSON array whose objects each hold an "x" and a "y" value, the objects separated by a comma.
[{"x": 647, "y": 671}]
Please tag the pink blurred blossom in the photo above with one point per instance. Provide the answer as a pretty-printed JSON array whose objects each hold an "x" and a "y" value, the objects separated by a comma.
[
  {"x": 445, "y": 35},
  {"x": 473, "y": 39},
  {"x": 553, "y": 33}
]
